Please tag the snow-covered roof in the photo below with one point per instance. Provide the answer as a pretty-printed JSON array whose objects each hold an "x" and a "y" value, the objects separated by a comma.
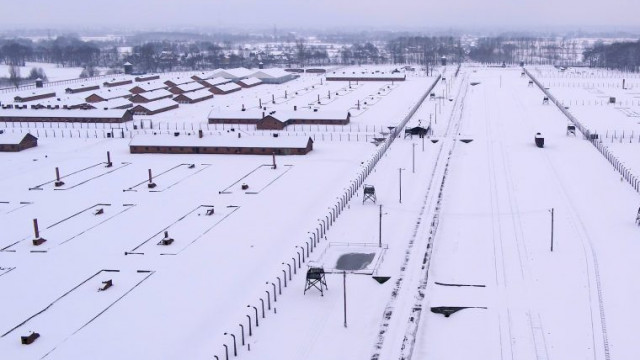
[
  {"x": 28, "y": 94},
  {"x": 248, "y": 114},
  {"x": 179, "y": 80},
  {"x": 155, "y": 94},
  {"x": 228, "y": 87},
  {"x": 47, "y": 113},
  {"x": 234, "y": 73},
  {"x": 113, "y": 103},
  {"x": 111, "y": 93},
  {"x": 81, "y": 86},
  {"x": 285, "y": 115},
  {"x": 221, "y": 141},
  {"x": 151, "y": 85},
  {"x": 190, "y": 86},
  {"x": 365, "y": 74},
  {"x": 216, "y": 81},
  {"x": 251, "y": 81},
  {"x": 282, "y": 115},
  {"x": 197, "y": 95},
  {"x": 207, "y": 74},
  {"x": 158, "y": 105},
  {"x": 270, "y": 73},
  {"x": 12, "y": 138}
]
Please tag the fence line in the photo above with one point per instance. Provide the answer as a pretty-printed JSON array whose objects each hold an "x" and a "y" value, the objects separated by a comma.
[{"x": 592, "y": 137}]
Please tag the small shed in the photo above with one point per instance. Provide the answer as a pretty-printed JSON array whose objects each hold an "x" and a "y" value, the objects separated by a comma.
[{"x": 17, "y": 142}]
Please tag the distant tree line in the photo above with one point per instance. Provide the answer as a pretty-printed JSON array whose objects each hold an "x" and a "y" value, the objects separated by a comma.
[
  {"x": 618, "y": 55},
  {"x": 424, "y": 50},
  {"x": 64, "y": 51},
  {"x": 530, "y": 50}
]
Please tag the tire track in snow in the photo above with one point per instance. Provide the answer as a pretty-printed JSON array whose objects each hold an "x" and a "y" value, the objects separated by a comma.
[{"x": 432, "y": 202}]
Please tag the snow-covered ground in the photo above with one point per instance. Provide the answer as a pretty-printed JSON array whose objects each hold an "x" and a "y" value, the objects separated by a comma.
[
  {"x": 461, "y": 224},
  {"x": 53, "y": 71}
]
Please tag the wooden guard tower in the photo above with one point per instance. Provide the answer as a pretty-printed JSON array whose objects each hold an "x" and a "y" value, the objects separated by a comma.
[
  {"x": 316, "y": 279},
  {"x": 369, "y": 193}
]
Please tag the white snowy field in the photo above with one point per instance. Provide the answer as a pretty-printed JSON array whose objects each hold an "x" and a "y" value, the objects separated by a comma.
[
  {"x": 53, "y": 71},
  {"x": 228, "y": 256},
  {"x": 588, "y": 95},
  {"x": 464, "y": 224},
  {"x": 576, "y": 301}
]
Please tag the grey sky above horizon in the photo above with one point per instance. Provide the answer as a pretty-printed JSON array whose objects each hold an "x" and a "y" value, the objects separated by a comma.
[{"x": 322, "y": 14}]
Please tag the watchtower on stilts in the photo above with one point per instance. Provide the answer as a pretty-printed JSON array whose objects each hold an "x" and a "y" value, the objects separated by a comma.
[
  {"x": 369, "y": 193},
  {"x": 316, "y": 279}
]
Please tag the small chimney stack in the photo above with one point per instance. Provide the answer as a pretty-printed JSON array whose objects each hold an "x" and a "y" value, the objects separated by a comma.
[
  {"x": 58, "y": 182},
  {"x": 151, "y": 184},
  {"x": 36, "y": 231},
  {"x": 37, "y": 241},
  {"x": 109, "y": 163}
]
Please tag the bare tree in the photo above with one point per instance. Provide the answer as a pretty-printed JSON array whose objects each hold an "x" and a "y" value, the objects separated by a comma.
[
  {"x": 301, "y": 51},
  {"x": 14, "y": 75},
  {"x": 89, "y": 71}
]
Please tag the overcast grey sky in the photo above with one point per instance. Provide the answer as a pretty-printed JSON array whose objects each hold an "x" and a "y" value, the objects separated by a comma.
[{"x": 322, "y": 14}]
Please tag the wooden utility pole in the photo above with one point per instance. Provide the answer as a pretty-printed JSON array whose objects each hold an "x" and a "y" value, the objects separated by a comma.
[
  {"x": 380, "y": 228},
  {"x": 344, "y": 285},
  {"x": 551, "y": 229}
]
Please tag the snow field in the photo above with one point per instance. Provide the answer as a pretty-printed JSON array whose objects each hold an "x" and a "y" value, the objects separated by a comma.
[{"x": 227, "y": 267}]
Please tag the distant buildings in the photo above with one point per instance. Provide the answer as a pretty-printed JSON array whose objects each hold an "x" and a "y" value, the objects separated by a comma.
[
  {"x": 278, "y": 120},
  {"x": 35, "y": 95},
  {"x": 365, "y": 76},
  {"x": 247, "y": 145},
  {"x": 82, "y": 116}
]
